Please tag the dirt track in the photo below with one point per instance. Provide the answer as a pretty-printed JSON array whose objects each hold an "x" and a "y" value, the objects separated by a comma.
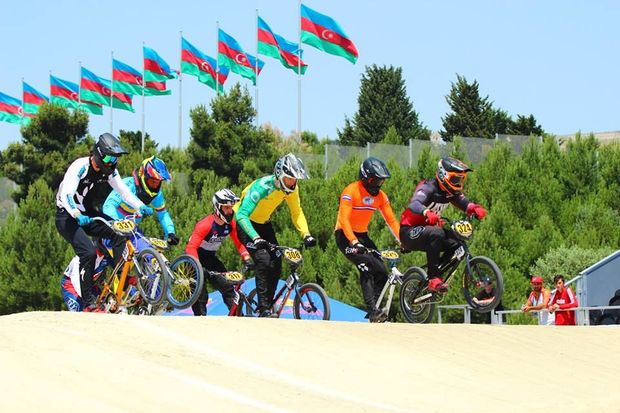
[{"x": 66, "y": 362}]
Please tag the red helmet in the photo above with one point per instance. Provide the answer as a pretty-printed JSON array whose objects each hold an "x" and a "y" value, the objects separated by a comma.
[{"x": 537, "y": 280}]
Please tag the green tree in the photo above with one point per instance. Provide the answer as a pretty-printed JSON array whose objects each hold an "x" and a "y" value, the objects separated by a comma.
[
  {"x": 382, "y": 103},
  {"x": 526, "y": 125},
  {"x": 49, "y": 142},
  {"x": 472, "y": 115},
  {"x": 223, "y": 140}
]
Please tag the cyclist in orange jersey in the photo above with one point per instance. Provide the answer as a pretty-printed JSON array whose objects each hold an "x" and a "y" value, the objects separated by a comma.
[{"x": 358, "y": 203}]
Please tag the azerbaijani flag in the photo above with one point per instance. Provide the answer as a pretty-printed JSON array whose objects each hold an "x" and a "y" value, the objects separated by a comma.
[
  {"x": 32, "y": 100},
  {"x": 94, "y": 88},
  {"x": 322, "y": 32},
  {"x": 270, "y": 44},
  {"x": 10, "y": 109},
  {"x": 230, "y": 54},
  {"x": 98, "y": 90},
  {"x": 65, "y": 93},
  {"x": 156, "y": 72},
  {"x": 196, "y": 63},
  {"x": 125, "y": 78}
]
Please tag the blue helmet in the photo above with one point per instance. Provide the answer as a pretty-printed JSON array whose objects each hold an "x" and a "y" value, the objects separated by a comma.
[{"x": 151, "y": 174}]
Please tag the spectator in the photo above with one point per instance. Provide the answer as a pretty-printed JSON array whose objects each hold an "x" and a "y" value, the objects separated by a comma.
[
  {"x": 486, "y": 295},
  {"x": 563, "y": 298},
  {"x": 539, "y": 301}
]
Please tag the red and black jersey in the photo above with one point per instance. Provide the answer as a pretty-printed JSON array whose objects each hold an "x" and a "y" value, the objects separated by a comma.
[
  {"x": 208, "y": 235},
  {"x": 428, "y": 195}
]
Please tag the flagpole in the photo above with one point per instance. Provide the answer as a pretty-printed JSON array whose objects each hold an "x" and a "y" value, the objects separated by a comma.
[
  {"x": 256, "y": 71},
  {"x": 143, "y": 88},
  {"x": 217, "y": 58},
  {"x": 112, "y": 96},
  {"x": 22, "y": 99},
  {"x": 180, "y": 86},
  {"x": 80, "y": 86},
  {"x": 299, "y": 78}
]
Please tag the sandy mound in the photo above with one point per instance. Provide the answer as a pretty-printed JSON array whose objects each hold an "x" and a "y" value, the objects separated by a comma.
[{"x": 66, "y": 362}]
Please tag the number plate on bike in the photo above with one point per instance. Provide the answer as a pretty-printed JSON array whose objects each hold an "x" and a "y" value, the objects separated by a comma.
[
  {"x": 233, "y": 276},
  {"x": 293, "y": 255},
  {"x": 463, "y": 228},
  {"x": 158, "y": 243},
  {"x": 389, "y": 255},
  {"x": 124, "y": 225}
]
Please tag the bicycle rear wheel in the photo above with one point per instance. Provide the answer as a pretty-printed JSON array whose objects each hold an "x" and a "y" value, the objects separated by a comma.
[
  {"x": 152, "y": 276},
  {"x": 482, "y": 268},
  {"x": 311, "y": 303},
  {"x": 185, "y": 282},
  {"x": 415, "y": 299}
]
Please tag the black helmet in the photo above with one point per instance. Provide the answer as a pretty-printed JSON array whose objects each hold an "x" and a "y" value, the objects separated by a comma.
[
  {"x": 106, "y": 151},
  {"x": 451, "y": 174},
  {"x": 372, "y": 174}
]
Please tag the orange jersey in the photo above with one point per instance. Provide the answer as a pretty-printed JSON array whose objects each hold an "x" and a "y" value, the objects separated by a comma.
[{"x": 357, "y": 207}]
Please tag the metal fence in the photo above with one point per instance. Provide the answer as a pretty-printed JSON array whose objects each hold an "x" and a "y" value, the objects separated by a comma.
[{"x": 475, "y": 149}]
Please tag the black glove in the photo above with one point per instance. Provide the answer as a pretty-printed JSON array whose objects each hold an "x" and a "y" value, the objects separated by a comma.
[
  {"x": 249, "y": 264},
  {"x": 260, "y": 244},
  {"x": 173, "y": 239},
  {"x": 309, "y": 241},
  {"x": 359, "y": 247}
]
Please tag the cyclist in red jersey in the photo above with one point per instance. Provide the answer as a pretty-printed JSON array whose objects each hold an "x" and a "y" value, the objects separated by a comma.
[
  {"x": 421, "y": 224},
  {"x": 206, "y": 239},
  {"x": 358, "y": 203}
]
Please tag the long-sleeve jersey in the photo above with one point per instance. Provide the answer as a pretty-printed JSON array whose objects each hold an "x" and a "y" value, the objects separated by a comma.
[
  {"x": 357, "y": 207},
  {"x": 428, "y": 195},
  {"x": 77, "y": 190},
  {"x": 565, "y": 299},
  {"x": 261, "y": 198},
  {"x": 116, "y": 208},
  {"x": 208, "y": 235}
]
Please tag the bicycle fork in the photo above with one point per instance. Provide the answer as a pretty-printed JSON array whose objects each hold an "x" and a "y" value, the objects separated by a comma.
[{"x": 394, "y": 278}]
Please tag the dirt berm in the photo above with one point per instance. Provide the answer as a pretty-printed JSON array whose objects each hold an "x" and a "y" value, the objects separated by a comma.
[{"x": 68, "y": 362}]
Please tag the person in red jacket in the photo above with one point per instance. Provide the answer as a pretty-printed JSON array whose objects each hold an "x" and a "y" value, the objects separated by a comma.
[
  {"x": 562, "y": 299},
  {"x": 208, "y": 235}
]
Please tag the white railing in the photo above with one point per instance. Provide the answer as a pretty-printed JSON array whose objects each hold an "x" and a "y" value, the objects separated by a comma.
[{"x": 497, "y": 317}]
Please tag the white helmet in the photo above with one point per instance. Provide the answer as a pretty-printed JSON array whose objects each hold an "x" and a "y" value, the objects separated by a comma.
[
  {"x": 289, "y": 166},
  {"x": 221, "y": 198}
]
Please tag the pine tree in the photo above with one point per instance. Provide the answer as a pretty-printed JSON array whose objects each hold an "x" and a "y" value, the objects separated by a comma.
[
  {"x": 382, "y": 102},
  {"x": 472, "y": 116}
]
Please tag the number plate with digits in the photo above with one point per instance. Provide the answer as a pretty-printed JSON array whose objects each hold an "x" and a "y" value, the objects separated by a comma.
[
  {"x": 158, "y": 243},
  {"x": 293, "y": 255},
  {"x": 463, "y": 228},
  {"x": 234, "y": 276},
  {"x": 389, "y": 255},
  {"x": 124, "y": 225}
]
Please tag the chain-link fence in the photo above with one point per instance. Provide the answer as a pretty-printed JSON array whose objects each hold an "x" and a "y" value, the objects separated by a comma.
[{"x": 475, "y": 149}]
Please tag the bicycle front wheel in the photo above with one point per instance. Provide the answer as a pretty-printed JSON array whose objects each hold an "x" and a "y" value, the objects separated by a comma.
[
  {"x": 481, "y": 271},
  {"x": 311, "y": 303},
  {"x": 152, "y": 276},
  {"x": 416, "y": 302},
  {"x": 185, "y": 282}
]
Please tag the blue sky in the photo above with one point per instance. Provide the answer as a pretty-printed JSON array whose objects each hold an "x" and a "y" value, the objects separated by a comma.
[{"x": 557, "y": 60}]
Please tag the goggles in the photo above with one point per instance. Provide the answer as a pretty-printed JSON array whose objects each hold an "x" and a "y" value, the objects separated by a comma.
[{"x": 109, "y": 159}]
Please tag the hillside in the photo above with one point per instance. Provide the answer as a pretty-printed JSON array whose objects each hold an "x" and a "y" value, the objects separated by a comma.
[{"x": 59, "y": 362}]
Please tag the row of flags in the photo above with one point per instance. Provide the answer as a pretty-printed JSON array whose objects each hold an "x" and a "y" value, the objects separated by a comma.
[{"x": 94, "y": 92}]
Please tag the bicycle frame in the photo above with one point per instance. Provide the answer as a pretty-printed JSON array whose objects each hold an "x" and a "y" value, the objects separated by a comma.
[{"x": 395, "y": 277}]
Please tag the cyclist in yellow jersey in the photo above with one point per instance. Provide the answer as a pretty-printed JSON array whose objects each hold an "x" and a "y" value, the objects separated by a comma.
[
  {"x": 358, "y": 203},
  {"x": 253, "y": 213}
]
